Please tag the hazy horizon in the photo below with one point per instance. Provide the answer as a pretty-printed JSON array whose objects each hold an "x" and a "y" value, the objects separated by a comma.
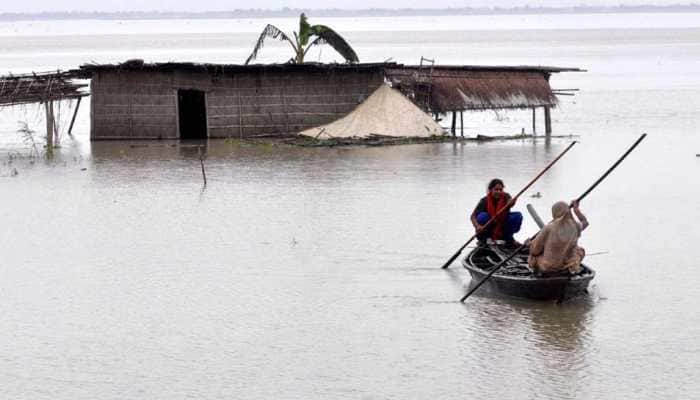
[{"x": 39, "y": 6}]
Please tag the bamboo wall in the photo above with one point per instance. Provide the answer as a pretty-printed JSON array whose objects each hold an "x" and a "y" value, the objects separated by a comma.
[{"x": 132, "y": 104}]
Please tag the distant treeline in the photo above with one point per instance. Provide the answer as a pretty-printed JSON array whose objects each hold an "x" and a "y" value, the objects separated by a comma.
[{"x": 334, "y": 12}]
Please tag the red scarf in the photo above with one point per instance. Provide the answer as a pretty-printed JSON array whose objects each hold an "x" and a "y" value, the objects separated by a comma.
[{"x": 493, "y": 206}]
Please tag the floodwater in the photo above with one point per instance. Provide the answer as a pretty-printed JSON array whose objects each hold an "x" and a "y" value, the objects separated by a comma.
[{"x": 315, "y": 273}]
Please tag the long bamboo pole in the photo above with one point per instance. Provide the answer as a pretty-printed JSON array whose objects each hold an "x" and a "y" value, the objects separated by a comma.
[{"x": 509, "y": 204}]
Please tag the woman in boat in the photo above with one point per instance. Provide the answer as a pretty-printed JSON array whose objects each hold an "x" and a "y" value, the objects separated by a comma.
[
  {"x": 555, "y": 249},
  {"x": 507, "y": 223}
]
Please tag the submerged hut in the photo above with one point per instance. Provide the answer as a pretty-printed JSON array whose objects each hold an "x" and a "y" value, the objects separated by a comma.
[
  {"x": 134, "y": 100},
  {"x": 137, "y": 100}
]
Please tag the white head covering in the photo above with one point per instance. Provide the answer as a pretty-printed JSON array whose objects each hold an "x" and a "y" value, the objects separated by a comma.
[{"x": 555, "y": 246}]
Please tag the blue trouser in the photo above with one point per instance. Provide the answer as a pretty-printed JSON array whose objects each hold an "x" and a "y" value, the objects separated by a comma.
[{"x": 511, "y": 226}]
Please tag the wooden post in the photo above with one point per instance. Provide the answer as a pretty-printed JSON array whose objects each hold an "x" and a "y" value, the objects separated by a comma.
[
  {"x": 547, "y": 122},
  {"x": 56, "y": 138},
  {"x": 72, "y": 121},
  {"x": 454, "y": 123},
  {"x": 534, "y": 119},
  {"x": 201, "y": 162},
  {"x": 49, "y": 124}
]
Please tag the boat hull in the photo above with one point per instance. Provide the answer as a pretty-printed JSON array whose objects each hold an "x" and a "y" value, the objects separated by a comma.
[{"x": 515, "y": 279}]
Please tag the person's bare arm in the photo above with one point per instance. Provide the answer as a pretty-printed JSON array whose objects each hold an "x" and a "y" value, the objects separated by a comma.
[{"x": 582, "y": 218}]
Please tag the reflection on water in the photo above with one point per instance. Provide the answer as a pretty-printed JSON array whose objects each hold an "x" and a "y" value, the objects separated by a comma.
[
  {"x": 528, "y": 349},
  {"x": 558, "y": 360}
]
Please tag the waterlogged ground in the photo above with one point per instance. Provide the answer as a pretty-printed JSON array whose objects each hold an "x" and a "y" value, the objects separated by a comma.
[{"x": 315, "y": 273}]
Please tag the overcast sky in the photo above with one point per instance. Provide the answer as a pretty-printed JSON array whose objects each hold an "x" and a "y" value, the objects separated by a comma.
[{"x": 222, "y": 5}]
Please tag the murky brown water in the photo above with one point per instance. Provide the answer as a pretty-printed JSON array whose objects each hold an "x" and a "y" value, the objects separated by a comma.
[{"x": 315, "y": 273}]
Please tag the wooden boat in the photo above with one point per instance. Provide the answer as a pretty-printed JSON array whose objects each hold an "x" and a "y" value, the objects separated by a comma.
[{"x": 515, "y": 278}]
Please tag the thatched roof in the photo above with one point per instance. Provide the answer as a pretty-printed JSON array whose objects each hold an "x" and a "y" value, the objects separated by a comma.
[
  {"x": 38, "y": 87},
  {"x": 455, "y": 88}
]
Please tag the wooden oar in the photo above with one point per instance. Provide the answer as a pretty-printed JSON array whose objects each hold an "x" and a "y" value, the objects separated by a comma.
[
  {"x": 499, "y": 265},
  {"x": 535, "y": 216},
  {"x": 509, "y": 204}
]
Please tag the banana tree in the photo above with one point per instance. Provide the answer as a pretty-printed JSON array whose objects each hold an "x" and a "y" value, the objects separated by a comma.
[{"x": 308, "y": 37}]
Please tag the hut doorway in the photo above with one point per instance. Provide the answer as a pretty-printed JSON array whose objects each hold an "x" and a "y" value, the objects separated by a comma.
[{"x": 192, "y": 112}]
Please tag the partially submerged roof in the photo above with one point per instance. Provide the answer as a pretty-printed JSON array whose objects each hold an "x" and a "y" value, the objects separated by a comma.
[
  {"x": 386, "y": 112},
  {"x": 38, "y": 87},
  {"x": 454, "y": 88}
]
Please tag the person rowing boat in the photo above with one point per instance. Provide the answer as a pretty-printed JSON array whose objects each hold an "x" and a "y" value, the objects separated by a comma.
[
  {"x": 506, "y": 224},
  {"x": 555, "y": 249}
]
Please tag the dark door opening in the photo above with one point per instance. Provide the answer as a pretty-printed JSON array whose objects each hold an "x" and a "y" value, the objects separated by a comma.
[{"x": 192, "y": 114}]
